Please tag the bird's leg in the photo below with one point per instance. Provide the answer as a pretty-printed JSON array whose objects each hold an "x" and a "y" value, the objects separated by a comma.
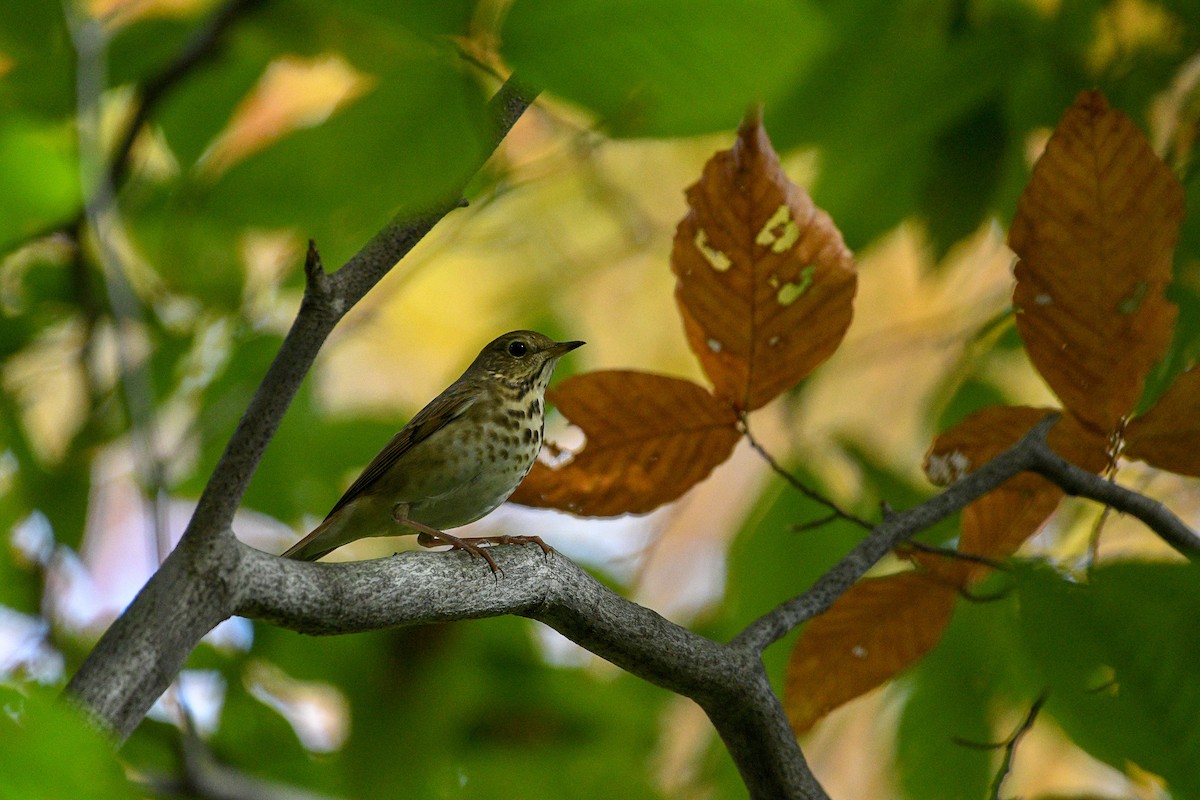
[{"x": 432, "y": 537}]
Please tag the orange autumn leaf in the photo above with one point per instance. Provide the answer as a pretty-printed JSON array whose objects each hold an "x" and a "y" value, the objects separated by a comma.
[
  {"x": 998, "y": 523},
  {"x": 876, "y": 629},
  {"x": 1168, "y": 435},
  {"x": 649, "y": 438},
  {"x": 765, "y": 283},
  {"x": 1094, "y": 231}
]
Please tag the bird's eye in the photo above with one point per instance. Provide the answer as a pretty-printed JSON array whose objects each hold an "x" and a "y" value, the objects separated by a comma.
[{"x": 517, "y": 349}]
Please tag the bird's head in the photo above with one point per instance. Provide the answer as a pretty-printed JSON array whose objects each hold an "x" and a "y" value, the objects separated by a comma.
[{"x": 522, "y": 360}]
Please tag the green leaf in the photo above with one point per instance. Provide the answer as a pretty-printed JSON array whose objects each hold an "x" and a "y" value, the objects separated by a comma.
[
  {"x": 508, "y": 724},
  {"x": 195, "y": 254},
  {"x": 947, "y": 705},
  {"x": 40, "y": 174},
  {"x": 143, "y": 48},
  {"x": 1118, "y": 655},
  {"x": 937, "y": 84},
  {"x": 428, "y": 17},
  {"x": 411, "y": 141},
  {"x": 50, "y": 751},
  {"x": 956, "y": 691},
  {"x": 663, "y": 67},
  {"x": 192, "y": 115}
]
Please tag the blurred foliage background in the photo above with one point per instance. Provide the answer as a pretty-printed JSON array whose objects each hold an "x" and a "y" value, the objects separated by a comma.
[{"x": 132, "y": 336}]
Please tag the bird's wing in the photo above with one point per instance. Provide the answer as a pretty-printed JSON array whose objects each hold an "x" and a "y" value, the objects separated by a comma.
[{"x": 449, "y": 405}]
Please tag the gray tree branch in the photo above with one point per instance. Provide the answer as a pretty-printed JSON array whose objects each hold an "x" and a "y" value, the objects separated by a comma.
[
  {"x": 414, "y": 588},
  {"x": 1032, "y": 454}
]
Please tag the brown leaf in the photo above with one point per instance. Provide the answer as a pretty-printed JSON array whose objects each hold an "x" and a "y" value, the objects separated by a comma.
[
  {"x": 1095, "y": 229},
  {"x": 650, "y": 438},
  {"x": 765, "y": 283},
  {"x": 1168, "y": 435},
  {"x": 998, "y": 523},
  {"x": 873, "y": 631}
]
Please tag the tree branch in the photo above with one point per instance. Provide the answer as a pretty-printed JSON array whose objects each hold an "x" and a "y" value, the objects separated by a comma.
[
  {"x": 1031, "y": 453},
  {"x": 1079, "y": 482},
  {"x": 412, "y": 588}
]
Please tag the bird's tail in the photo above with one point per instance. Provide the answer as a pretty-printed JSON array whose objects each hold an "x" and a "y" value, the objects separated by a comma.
[{"x": 321, "y": 541}]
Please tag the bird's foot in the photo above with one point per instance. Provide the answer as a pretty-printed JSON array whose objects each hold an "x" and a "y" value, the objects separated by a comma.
[
  {"x": 546, "y": 549},
  {"x": 432, "y": 537}
]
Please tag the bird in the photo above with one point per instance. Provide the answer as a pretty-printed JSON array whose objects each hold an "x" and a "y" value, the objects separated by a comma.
[{"x": 459, "y": 458}]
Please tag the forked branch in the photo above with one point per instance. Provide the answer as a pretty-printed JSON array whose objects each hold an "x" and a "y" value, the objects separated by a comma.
[{"x": 1031, "y": 454}]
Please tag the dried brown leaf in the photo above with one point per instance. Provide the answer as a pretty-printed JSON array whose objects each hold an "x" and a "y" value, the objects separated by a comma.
[
  {"x": 765, "y": 283},
  {"x": 1094, "y": 231},
  {"x": 998, "y": 523},
  {"x": 875, "y": 630},
  {"x": 650, "y": 438},
  {"x": 1168, "y": 435}
]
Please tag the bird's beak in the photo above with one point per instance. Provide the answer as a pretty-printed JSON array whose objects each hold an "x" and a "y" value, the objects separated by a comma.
[{"x": 561, "y": 348}]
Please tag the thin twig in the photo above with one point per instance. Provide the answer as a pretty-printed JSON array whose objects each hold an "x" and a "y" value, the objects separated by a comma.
[
  {"x": 798, "y": 484},
  {"x": 1009, "y": 745},
  {"x": 955, "y": 555},
  {"x": 819, "y": 522}
]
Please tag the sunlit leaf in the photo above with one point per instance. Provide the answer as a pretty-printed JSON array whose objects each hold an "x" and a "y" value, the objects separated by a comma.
[
  {"x": 766, "y": 284},
  {"x": 650, "y": 438},
  {"x": 1000, "y": 521},
  {"x": 41, "y": 177},
  {"x": 873, "y": 631},
  {"x": 1094, "y": 230},
  {"x": 1168, "y": 435}
]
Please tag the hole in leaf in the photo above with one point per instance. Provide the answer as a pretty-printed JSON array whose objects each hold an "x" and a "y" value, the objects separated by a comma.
[
  {"x": 779, "y": 232},
  {"x": 715, "y": 258},
  {"x": 790, "y": 292}
]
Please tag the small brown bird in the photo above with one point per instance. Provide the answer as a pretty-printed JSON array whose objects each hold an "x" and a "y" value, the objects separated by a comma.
[{"x": 458, "y": 459}]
